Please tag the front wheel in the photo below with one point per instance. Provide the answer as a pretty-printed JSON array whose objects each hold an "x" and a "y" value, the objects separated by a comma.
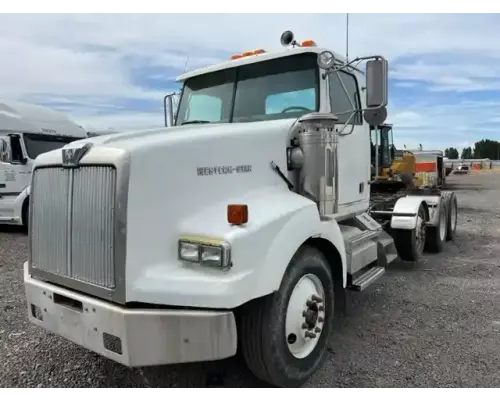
[{"x": 284, "y": 336}]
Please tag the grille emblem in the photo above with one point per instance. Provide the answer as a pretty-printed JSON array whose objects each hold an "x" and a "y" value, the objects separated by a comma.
[{"x": 72, "y": 157}]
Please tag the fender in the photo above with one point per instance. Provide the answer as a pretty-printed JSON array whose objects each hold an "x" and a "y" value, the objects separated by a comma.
[
  {"x": 302, "y": 224},
  {"x": 434, "y": 204},
  {"x": 279, "y": 222},
  {"x": 405, "y": 212}
]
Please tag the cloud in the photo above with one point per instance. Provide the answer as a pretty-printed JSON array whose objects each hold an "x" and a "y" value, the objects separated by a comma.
[{"x": 112, "y": 70}]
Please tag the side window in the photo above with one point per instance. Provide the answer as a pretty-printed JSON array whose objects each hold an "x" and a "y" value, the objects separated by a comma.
[
  {"x": 295, "y": 101},
  {"x": 342, "y": 105},
  {"x": 16, "y": 150},
  {"x": 4, "y": 149},
  {"x": 205, "y": 108},
  {"x": 373, "y": 141}
]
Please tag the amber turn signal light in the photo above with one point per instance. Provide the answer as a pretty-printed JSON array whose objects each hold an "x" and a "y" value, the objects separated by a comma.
[{"x": 237, "y": 214}]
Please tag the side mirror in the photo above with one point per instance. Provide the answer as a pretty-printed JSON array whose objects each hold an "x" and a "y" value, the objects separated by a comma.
[
  {"x": 168, "y": 109},
  {"x": 377, "y": 72}
]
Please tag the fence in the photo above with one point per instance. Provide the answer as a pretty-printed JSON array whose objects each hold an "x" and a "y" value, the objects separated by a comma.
[{"x": 473, "y": 164}]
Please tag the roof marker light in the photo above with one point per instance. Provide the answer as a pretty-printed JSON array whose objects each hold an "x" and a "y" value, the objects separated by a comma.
[{"x": 308, "y": 43}]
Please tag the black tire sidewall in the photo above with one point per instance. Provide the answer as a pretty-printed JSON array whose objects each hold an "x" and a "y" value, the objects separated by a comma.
[
  {"x": 452, "y": 208},
  {"x": 290, "y": 370},
  {"x": 444, "y": 209},
  {"x": 25, "y": 213},
  {"x": 434, "y": 243}
]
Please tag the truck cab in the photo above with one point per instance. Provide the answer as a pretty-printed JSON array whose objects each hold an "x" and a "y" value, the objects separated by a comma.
[
  {"x": 240, "y": 227},
  {"x": 26, "y": 131}
]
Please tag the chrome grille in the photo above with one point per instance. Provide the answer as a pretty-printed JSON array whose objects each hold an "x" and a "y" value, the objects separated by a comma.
[{"x": 72, "y": 226}]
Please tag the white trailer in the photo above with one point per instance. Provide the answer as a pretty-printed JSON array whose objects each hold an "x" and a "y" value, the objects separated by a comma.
[
  {"x": 241, "y": 227},
  {"x": 26, "y": 131}
]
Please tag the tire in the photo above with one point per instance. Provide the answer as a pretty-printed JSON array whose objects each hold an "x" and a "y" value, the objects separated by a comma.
[
  {"x": 407, "y": 245},
  {"x": 451, "y": 222},
  {"x": 272, "y": 328},
  {"x": 436, "y": 235},
  {"x": 25, "y": 214}
]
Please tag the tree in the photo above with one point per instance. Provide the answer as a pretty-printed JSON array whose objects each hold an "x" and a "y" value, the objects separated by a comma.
[
  {"x": 487, "y": 148},
  {"x": 466, "y": 153},
  {"x": 451, "y": 153}
]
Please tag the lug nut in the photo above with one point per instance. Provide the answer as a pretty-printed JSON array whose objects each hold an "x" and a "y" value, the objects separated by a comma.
[
  {"x": 321, "y": 319},
  {"x": 304, "y": 326},
  {"x": 310, "y": 335},
  {"x": 317, "y": 330},
  {"x": 317, "y": 299},
  {"x": 304, "y": 313},
  {"x": 309, "y": 303}
]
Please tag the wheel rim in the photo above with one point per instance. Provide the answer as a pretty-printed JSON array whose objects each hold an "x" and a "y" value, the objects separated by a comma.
[
  {"x": 305, "y": 316},
  {"x": 442, "y": 225},
  {"x": 420, "y": 233}
]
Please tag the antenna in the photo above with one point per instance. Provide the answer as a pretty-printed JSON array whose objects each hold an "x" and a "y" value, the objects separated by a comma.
[
  {"x": 186, "y": 63},
  {"x": 347, "y": 38}
]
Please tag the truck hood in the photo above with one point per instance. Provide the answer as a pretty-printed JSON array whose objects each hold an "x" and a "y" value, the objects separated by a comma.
[
  {"x": 135, "y": 140},
  {"x": 179, "y": 183}
]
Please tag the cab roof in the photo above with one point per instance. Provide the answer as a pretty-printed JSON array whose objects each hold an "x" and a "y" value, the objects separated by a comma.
[
  {"x": 252, "y": 59},
  {"x": 20, "y": 117}
]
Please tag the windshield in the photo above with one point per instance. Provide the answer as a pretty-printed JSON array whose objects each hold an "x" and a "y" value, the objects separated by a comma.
[
  {"x": 276, "y": 89},
  {"x": 37, "y": 144}
]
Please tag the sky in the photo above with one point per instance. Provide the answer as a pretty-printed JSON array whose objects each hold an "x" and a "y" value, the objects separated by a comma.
[{"x": 111, "y": 71}]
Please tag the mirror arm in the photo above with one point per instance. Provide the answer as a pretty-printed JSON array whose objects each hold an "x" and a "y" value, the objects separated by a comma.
[
  {"x": 359, "y": 60},
  {"x": 341, "y": 132}
]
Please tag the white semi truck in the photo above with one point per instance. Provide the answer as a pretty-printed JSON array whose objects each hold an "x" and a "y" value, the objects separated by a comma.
[
  {"x": 241, "y": 227},
  {"x": 26, "y": 131}
]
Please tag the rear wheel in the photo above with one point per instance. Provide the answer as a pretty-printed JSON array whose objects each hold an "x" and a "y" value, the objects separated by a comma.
[
  {"x": 410, "y": 243},
  {"x": 452, "y": 217},
  {"x": 284, "y": 335},
  {"x": 436, "y": 235}
]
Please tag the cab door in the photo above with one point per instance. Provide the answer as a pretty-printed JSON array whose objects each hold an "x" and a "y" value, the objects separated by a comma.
[
  {"x": 14, "y": 169},
  {"x": 353, "y": 150}
]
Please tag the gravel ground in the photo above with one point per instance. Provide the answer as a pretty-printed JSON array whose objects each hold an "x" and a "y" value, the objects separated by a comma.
[{"x": 432, "y": 324}]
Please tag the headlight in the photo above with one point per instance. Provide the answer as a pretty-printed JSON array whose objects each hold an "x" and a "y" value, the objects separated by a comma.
[
  {"x": 212, "y": 253},
  {"x": 189, "y": 251}
]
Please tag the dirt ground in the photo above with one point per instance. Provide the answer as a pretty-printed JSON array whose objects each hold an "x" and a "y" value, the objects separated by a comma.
[{"x": 431, "y": 324}]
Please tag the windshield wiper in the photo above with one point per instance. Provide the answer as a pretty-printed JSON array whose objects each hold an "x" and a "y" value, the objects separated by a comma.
[{"x": 195, "y": 121}]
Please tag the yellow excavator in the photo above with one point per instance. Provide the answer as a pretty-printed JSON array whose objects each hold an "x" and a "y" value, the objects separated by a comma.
[{"x": 392, "y": 169}]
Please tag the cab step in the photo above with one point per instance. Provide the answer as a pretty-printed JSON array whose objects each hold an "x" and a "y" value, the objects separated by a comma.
[{"x": 367, "y": 278}]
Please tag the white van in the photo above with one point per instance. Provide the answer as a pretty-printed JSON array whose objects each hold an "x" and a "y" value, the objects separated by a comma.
[{"x": 27, "y": 130}]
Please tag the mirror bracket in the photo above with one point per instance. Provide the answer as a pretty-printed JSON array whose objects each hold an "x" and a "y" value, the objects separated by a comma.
[{"x": 375, "y": 112}]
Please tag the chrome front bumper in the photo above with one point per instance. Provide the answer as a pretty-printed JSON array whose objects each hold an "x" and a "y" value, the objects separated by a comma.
[{"x": 132, "y": 337}]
